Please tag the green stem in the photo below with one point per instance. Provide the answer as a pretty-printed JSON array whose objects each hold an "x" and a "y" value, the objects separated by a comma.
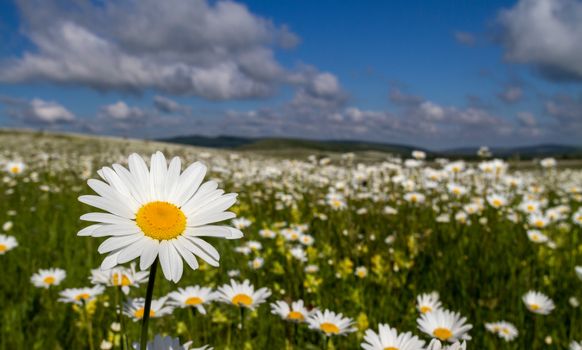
[
  {"x": 89, "y": 326},
  {"x": 147, "y": 307}
]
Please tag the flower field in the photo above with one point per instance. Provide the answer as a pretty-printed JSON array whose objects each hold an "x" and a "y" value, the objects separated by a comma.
[{"x": 463, "y": 255}]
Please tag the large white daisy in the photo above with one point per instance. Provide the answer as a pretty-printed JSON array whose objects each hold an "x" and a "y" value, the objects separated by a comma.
[{"x": 158, "y": 212}]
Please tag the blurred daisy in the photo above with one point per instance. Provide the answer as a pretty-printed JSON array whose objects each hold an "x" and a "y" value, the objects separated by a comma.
[
  {"x": 388, "y": 338},
  {"x": 504, "y": 330},
  {"x": 15, "y": 168},
  {"x": 330, "y": 323},
  {"x": 135, "y": 308},
  {"x": 538, "y": 220},
  {"x": 266, "y": 233},
  {"x": 243, "y": 294},
  {"x": 336, "y": 201},
  {"x": 579, "y": 271},
  {"x": 496, "y": 200},
  {"x": 194, "y": 296},
  {"x": 436, "y": 345},
  {"x": 158, "y": 212},
  {"x": 241, "y": 223},
  {"x": 80, "y": 295},
  {"x": 574, "y": 345},
  {"x": 538, "y": 303},
  {"x": 256, "y": 263},
  {"x": 296, "y": 312},
  {"x": 48, "y": 278},
  {"x": 169, "y": 343},
  {"x": 361, "y": 272},
  {"x": 7, "y": 243},
  {"x": 444, "y": 325},
  {"x": 119, "y": 277},
  {"x": 414, "y": 197},
  {"x": 536, "y": 236},
  {"x": 428, "y": 302}
]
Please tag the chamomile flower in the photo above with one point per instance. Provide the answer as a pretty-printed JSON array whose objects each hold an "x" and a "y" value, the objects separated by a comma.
[
  {"x": 80, "y": 295},
  {"x": 538, "y": 220},
  {"x": 7, "y": 243},
  {"x": 135, "y": 308},
  {"x": 158, "y": 212},
  {"x": 414, "y": 197},
  {"x": 538, "y": 303},
  {"x": 504, "y": 330},
  {"x": 15, "y": 168},
  {"x": 330, "y": 323},
  {"x": 119, "y": 277},
  {"x": 194, "y": 296},
  {"x": 496, "y": 201},
  {"x": 579, "y": 271},
  {"x": 437, "y": 345},
  {"x": 428, "y": 302},
  {"x": 388, "y": 338},
  {"x": 361, "y": 272},
  {"x": 576, "y": 345},
  {"x": 169, "y": 343},
  {"x": 536, "y": 236},
  {"x": 296, "y": 312},
  {"x": 445, "y": 325},
  {"x": 256, "y": 263},
  {"x": 48, "y": 278},
  {"x": 243, "y": 294}
]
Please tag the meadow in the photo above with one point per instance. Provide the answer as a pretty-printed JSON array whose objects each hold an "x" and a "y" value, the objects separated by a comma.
[{"x": 364, "y": 239}]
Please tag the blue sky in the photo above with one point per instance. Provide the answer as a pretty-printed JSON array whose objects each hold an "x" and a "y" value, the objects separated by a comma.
[{"x": 436, "y": 74}]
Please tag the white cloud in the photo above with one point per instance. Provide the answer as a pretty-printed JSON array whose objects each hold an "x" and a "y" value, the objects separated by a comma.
[
  {"x": 546, "y": 34},
  {"x": 511, "y": 94},
  {"x": 216, "y": 50},
  {"x": 38, "y": 111},
  {"x": 121, "y": 111}
]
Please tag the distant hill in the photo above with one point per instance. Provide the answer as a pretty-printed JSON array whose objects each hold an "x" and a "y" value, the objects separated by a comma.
[{"x": 286, "y": 144}]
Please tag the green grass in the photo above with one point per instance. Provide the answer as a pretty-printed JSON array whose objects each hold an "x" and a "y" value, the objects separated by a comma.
[{"x": 480, "y": 270}]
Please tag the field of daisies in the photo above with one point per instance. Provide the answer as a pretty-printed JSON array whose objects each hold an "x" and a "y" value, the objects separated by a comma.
[{"x": 120, "y": 244}]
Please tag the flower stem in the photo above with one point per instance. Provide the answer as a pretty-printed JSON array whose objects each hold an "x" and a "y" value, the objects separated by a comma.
[{"x": 147, "y": 307}]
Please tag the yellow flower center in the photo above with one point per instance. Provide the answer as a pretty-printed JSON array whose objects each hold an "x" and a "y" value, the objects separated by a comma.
[
  {"x": 242, "y": 299},
  {"x": 15, "y": 170},
  {"x": 391, "y": 348},
  {"x": 456, "y": 191},
  {"x": 82, "y": 296},
  {"x": 119, "y": 279},
  {"x": 139, "y": 313},
  {"x": 413, "y": 199},
  {"x": 497, "y": 203},
  {"x": 3, "y": 248},
  {"x": 505, "y": 331},
  {"x": 442, "y": 333},
  {"x": 539, "y": 223},
  {"x": 161, "y": 220},
  {"x": 194, "y": 301},
  {"x": 49, "y": 280},
  {"x": 534, "y": 307},
  {"x": 296, "y": 316},
  {"x": 425, "y": 309},
  {"x": 329, "y": 328}
]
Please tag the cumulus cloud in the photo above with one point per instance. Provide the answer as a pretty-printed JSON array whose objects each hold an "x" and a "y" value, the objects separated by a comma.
[
  {"x": 167, "y": 105},
  {"x": 215, "y": 50},
  {"x": 545, "y": 34},
  {"x": 38, "y": 111},
  {"x": 566, "y": 111},
  {"x": 465, "y": 38}
]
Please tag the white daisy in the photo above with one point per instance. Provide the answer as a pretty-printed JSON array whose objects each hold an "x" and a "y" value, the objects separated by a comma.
[
  {"x": 444, "y": 325},
  {"x": 538, "y": 303},
  {"x": 330, "y": 323},
  {"x": 575, "y": 345},
  {"x": 119, "y": 277},
  {"x": 579, "y": 271},
  {"x": 296, "y": 312},
  {"x": 243, "y": 294},
  {"x": 15, "y": 168},
  {"x": 388, "y": 338},
  {"x": 503, "y": 329},
  {"x": 428, "y": 302},
  {"x": 7, "y": 243},
  {"x": 48, "y": 278},
  {"x": 80, "y": 295},
  {"x": 436, "y": 345},
  {"x": 194, "y": 296},
  {"x": 135, "y": 308},
  {"x": 158, "y": 212},
  {"x": 536, "y": 236}
]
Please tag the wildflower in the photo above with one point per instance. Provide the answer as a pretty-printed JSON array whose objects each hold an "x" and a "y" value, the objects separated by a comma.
[
  {"x": 296, "y": 312},
  {"x": 330, "y": 323},
  {"x": 48, "y": 278},
  {"x": 80, "y": 295},
  {"x": 444, "y": 325},
  {"x": 538, "y": 303},
  {"x": 243, "y": 294},
  {"x": 135, "y": 308},
  {"x": 504, "y": 330},
  {"x": 15, "y": 168},
  {"x": 158, "y": 212},
  {"x": 428, "y": 302},
  {"x": 119, "y": 277},
  {"x": 388, "y": 338},
  {"x": 7, "y": 243},
  {"x": 194, "y": 296}
]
